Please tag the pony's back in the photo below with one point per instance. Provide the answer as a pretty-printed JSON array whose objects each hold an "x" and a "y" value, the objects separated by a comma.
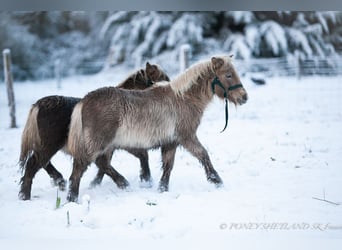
[{"x": 46, "y": 127}]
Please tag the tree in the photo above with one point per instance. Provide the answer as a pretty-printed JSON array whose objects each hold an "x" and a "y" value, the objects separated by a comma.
[{"x": 85, "y": 42}]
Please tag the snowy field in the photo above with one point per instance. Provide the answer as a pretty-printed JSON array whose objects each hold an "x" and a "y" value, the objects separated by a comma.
[{"x": 281, "y": 151}]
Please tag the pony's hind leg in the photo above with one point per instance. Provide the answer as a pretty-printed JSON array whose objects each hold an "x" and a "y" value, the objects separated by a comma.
[
  {"x": 168, "y": 158},
  {"x": 31, "y": 167},
  {"x": 98, "y": 178},
  {"x": 79, "y": 167},
  {"x": 145, "y": 173},
  {"x": 103, "y": 163},
  {"x": 197, "y": 150},
  {"x": 57, "y": 177}
]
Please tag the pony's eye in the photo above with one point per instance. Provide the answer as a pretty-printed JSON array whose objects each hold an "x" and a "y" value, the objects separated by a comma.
[{"x": 229, "y": 76}]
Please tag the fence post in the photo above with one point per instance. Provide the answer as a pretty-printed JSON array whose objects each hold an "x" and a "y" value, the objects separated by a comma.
[
  {"x": 184, "y": 57},
  {"x": 298, "y": 65},
  {"x": 58, "y": 73},
  {"x": 9, "y": 84}
]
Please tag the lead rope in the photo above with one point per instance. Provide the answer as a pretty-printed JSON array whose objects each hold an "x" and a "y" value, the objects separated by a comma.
[{"x": 216, "y": 81}]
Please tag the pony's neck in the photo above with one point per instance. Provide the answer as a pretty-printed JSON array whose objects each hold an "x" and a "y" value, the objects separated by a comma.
[
  {"x": 198, "y": 74},
  {"x": 200, "y": 93}
]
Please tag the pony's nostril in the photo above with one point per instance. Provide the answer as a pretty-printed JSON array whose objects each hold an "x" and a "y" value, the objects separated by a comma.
[{"x": 243, "y": 99}]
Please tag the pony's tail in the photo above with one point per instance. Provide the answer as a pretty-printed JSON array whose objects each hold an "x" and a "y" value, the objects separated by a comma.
[
  {"x": 75, "y": 137},
  {"x": 30, "y": 138}
]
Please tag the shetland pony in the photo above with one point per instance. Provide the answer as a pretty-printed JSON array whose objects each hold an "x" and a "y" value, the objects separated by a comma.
[
  {"x": 47, "y": 128},
  {"x": 166, "y": 116}
]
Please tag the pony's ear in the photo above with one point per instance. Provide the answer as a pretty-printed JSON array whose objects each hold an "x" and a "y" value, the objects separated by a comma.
[
  {"x": 151, "y": 69},
  {"x": 217, "y": 62}
]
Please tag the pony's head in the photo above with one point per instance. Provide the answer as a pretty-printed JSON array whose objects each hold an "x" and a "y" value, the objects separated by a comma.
[
  {"x": 155, "y": 74},
  {"x": 227, "y": 82},
  {"x": 144, "y": 78}
]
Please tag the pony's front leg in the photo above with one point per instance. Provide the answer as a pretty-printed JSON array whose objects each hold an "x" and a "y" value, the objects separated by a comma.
[
  {"x": 98, "y": 178},
  {"x": 194, "y": 146},
  {"x": 79, "y": 168},
  {"x": 168, "y": 158}
]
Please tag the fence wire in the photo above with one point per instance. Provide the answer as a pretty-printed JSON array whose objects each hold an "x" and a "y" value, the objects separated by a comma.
[
  {"x": 284, "y": 66},
  {"x": 326, "y": 66}
]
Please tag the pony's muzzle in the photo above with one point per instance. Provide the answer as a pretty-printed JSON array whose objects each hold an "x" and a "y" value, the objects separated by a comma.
[{"x": 243, "y": 99}]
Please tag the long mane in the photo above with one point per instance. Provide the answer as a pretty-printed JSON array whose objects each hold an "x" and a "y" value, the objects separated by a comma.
[
  {"x": 138, "y": 74},
  {"x": 191, "y": 76}
]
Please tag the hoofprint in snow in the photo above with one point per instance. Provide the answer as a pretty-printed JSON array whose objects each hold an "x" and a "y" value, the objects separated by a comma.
[{"x": 281, "y": 151}]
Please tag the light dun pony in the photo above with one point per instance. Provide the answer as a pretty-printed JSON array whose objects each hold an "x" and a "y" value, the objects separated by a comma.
[
  {"x": 163, "y": 116},
  {"x": 47, "y": 128}
]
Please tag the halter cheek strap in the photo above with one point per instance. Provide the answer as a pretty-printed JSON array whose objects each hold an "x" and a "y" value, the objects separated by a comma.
[{"x": 217, "y": 82}]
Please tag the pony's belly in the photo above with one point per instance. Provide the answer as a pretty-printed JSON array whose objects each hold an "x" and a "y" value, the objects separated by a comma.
[{"x": 143, "y": 137}]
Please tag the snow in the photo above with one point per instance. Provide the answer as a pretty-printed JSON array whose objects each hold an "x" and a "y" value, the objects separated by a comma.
[
  {"x": 186, "y": 29},
  {"x": 279, "y": 151},
  {"x": 299, "y": 40},
  {"x": 323, "y": 22},
  {"x": 275, "y": 37},
  {"x": 237, "y": 45},
  {"x": 241, "y": 17},
  {"x": 253, "y": 38},
  {"x": 113, "y": 18},
  {"x": 6, "y": 51}
]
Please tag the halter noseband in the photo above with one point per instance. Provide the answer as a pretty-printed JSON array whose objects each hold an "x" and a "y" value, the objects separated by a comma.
[{"x": 217, "y": 82}]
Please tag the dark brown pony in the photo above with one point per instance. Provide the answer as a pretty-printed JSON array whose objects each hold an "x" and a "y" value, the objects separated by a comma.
[
  {"x": 47, "y": 128},
  {"x": 166, "y": 116}
]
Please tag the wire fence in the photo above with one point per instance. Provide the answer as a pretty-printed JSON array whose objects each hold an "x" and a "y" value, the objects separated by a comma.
[
  {"x": 284, "y": 66},
  {"x": 327, "y": 66}
]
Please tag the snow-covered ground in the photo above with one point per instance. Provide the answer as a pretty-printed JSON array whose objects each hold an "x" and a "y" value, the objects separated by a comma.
[{"x": 281, "y": 150}]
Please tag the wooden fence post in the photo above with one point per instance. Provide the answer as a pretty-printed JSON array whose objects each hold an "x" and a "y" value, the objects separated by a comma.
[
  {"x": 184, "y": 57},
  {"x": 9, "y": 84},
  {"x": 298, "y": 65}
]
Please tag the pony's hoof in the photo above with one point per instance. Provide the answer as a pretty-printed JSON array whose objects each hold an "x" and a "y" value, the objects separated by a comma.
[
  {"x": 146, "y": 183},
  {"x": 94, "y": 183},
  {"x": 163, "y": 188},
  {"x": 23, "y": 196},
  {"x": 215, "y": 179},
  {"x": 60, "y": 183},
  {"x": 219, "y": 185},
  {"x": 122, "y": 184},
  {"x": 146, "y": 178},
  {"x": 72, "y": 197}
]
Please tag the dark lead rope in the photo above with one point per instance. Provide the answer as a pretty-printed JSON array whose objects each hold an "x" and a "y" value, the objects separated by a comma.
[{"x": 216, "y": 81}]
